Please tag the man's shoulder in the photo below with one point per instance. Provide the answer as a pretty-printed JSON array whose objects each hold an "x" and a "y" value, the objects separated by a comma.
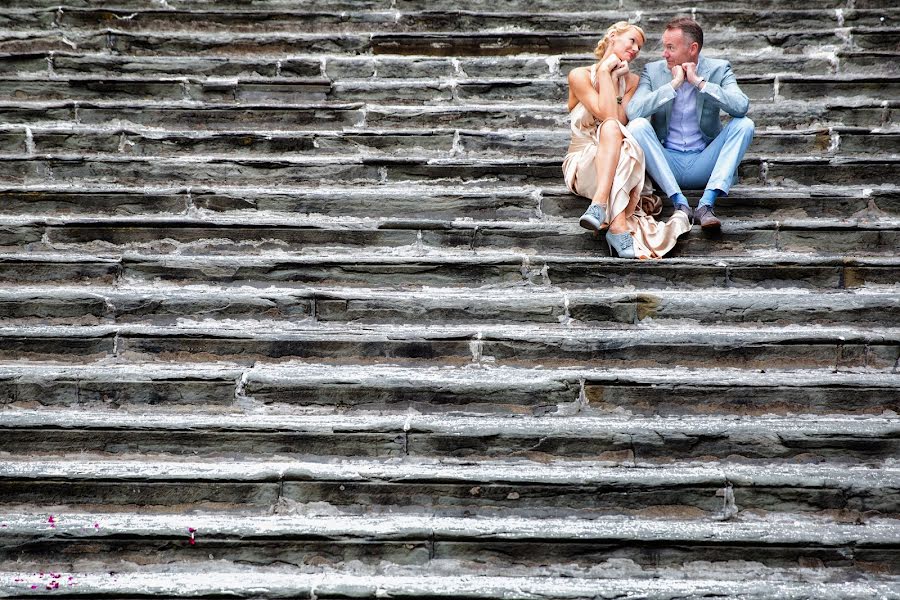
[
  {"x": 713, "y": 65},
  {"x": 657, "y": 66}
]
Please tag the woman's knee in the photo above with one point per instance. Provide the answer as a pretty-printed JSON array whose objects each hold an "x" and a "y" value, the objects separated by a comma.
[{"x": 609, "y": 130}]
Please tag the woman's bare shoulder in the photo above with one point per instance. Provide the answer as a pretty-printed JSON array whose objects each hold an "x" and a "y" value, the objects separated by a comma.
[{"x": 580, "y": 72}]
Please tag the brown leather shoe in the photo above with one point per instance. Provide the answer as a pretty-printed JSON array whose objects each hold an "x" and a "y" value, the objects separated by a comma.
[
  {"x": 686, "y": 210},
  {"x": 706, "y": 218}
]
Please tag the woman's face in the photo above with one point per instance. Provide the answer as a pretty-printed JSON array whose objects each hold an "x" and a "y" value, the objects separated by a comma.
[{"x": 626, "y": 45}]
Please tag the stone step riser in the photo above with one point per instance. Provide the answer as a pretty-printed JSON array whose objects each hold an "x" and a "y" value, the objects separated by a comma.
[
  {"x": 440, "y": 143},
  {"x": 426, "y": 44},
  {"x": 403, "y": 117},
  {"x": 643, "y": 446},
  {"x": 222, "y": 21},
  {"x": 375, "y": 67},
  {"x": 595, "y": 353},
  {"x": 461, "y": 5},
  {"x": 451, "y": 500},
  {"x": 508, "y": 271},
  {"x": 101, "y": 306},
  {"x": 474, "y": 558},
  {"x": 673, "y": 400},
  {"x": 126, "y": 171},
  {"x": 430, "y": 202},
  {"x": 761, "y": 89},
  {"x": 734, "y": 240}
]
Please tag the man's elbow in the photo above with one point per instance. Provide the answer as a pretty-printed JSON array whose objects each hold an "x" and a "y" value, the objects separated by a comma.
[
  {"x": 632, "y": 112},
  {"x": 741, "y": 107}
]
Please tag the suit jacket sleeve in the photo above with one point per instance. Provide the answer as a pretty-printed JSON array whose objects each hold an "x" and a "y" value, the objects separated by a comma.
[
  {"x": 646, "y": 100},
  {"x": 726, "y": 94}
]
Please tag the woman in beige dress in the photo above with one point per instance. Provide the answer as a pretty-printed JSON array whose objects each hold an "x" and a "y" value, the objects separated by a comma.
[{"x": 604, "y": 162}]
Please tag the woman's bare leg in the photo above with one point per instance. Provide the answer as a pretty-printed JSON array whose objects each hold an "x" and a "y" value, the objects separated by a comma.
[
  {"x": 608, "y": 154},
  {"x": 619, "y": 224},
  {"x": 606, "y": 159}
]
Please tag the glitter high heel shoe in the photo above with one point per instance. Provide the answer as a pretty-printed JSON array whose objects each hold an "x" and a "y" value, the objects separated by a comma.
[
  {"x": 622, "y": 242},
  {"x": 593, "y": 218}
]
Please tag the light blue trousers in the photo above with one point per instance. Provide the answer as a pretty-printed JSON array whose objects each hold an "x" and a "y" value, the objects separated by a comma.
[{"x": 714, "y": 168}]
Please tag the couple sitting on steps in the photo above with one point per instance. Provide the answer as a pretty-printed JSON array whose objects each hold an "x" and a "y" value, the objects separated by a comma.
[{"x": 683, "y": 144}]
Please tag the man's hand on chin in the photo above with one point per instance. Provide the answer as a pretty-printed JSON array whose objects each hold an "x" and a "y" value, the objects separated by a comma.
[
  {"x": 677, "y": 76},
  {"x": 690, "y": 73}
]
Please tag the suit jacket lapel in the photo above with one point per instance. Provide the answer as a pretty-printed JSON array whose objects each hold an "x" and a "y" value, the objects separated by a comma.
[
  {"x": 703, "y": 71},
  {"x": 666, "y": 79}
]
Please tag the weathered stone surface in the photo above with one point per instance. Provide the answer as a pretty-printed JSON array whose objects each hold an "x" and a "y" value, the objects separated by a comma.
[
  {"x": 37, "y": 269},
  {"x": 308, "y": 277},
  {"x": 60, "y": 202}
]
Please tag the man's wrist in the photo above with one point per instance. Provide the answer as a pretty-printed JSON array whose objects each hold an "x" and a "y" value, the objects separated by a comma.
[{"x": 700, "y": 82}]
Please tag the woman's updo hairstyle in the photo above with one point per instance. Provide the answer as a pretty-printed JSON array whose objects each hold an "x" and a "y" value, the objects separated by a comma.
[{"x": 617, "y": 28}]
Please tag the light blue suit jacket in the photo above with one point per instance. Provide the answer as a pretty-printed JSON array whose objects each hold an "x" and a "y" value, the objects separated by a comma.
[{"x": 654, "y": 97}]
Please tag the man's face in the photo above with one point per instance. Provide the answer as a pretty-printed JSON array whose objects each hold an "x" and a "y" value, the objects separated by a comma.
[{"x": 677, "y": 48}]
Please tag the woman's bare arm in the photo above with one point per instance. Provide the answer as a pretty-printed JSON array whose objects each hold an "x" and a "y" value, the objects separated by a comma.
[{"x": 600, "y": 101}]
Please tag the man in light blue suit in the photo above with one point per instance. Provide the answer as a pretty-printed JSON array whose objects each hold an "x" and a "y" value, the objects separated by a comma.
[{"x": 674, "y": 116}]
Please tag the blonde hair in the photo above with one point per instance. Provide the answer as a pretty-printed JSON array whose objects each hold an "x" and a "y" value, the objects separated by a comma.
[{"x": 617, "y": 28}]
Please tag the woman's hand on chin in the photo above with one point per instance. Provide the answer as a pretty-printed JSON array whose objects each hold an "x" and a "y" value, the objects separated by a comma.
[
  {"x": 611, "y": 63},
  {"x": 621, "y": 70}
]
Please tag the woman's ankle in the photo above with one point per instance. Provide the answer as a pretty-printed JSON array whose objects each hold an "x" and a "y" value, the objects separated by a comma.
[{"x": 618, "y": 226}]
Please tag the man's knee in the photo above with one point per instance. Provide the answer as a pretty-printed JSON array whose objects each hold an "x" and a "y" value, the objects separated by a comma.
[
  {"x": 744, "y": 124},
  {"x": 639, "y": 126}
]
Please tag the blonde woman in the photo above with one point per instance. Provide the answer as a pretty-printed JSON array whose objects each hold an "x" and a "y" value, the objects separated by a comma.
[{"x": 604, "y": 162}]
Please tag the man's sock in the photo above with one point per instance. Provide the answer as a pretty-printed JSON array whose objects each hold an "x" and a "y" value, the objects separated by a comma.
[
  {"x": 678, "y": 199},
  {"x": 709, "y": 197}
]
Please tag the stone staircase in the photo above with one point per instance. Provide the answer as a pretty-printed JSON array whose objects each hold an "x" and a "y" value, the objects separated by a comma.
[{"x": 294, "y": 303}]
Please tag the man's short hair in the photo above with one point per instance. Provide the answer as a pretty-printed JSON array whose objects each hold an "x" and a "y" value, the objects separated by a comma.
[{"x": 689, "y": 27}]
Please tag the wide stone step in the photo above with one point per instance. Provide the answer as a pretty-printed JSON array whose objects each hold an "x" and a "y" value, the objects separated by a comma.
[
  {"x": 447, "y": 487},
  {"x": 441, "y": 142},
  {"x": 650, "y": 552},
  {"x": 203, "y": 20},
  {"x": 261, "y": 233},
  {"x": 748, "y": 347},
  {"x": 430, "y": 200},
  {"x": 583, "y": 552},
  {"x": 338, "y": 67},
  {"x": 118, "y": 169},
  {"x": 465, "y": 43},
  {"x": 180, "y": 115},
  {"x": 42, "y": 433},
  {"x": 301, "y": 388},
  {"x": 762, "y": 88},
  {"x": 467, "y": 5},
  {"x": 460, "y": 269},
  {"x": 334, "y": 583},
  {"x": 160, "y": 304}
]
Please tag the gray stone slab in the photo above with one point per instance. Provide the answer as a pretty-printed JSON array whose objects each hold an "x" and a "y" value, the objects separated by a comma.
[
  {"x": 68, "y": 202},
  {"x": 320, "y": 117},
  {"x": 477, "y": 586},
  {"x": 76, "y": 64},
  {"x": 22, "y": 268}
]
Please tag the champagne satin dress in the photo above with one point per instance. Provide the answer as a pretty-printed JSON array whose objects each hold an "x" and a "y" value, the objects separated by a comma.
[{"x": 652, "y": 239}]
